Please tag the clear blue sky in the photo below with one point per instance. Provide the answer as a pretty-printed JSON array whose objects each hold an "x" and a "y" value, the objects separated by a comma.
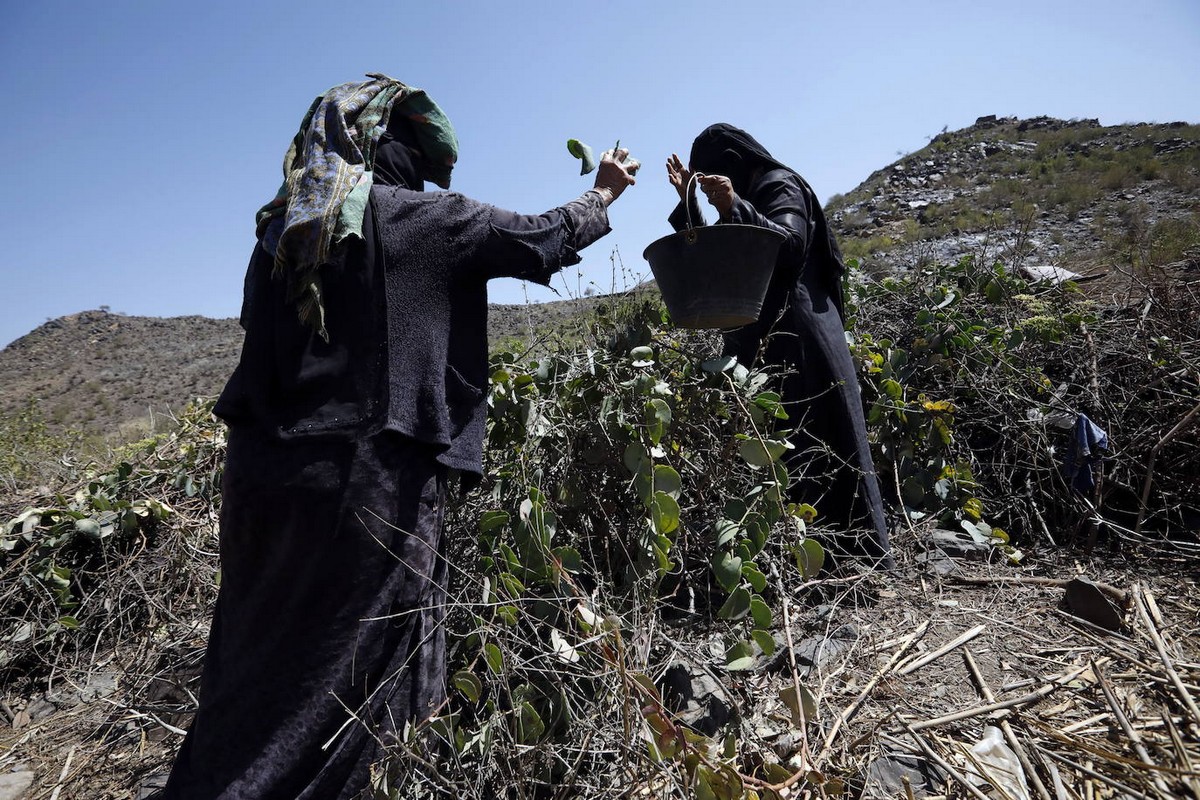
[{"x": 140, "y": 137}]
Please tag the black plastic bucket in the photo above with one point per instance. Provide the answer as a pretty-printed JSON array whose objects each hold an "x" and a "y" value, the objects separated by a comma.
[{"x": 714, "y": 276}]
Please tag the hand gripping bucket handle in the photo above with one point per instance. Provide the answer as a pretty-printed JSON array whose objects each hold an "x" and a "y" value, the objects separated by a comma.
[{"x": 714, "y": 276}]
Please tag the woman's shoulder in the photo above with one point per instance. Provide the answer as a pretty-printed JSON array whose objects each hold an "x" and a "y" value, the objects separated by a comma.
[
  {"x": 778, "y": 184},
  {"x": 782, "y": 176}
]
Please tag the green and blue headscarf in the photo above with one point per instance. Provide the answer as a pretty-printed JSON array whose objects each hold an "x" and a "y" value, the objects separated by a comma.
[{"x": 328, "y": 174}]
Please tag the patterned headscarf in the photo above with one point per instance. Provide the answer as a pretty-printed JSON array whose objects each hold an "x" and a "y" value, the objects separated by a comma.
[{"x": 327, "y": 178}]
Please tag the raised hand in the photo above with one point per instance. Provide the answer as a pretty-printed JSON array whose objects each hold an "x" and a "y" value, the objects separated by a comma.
[
  {"x": 615, "y": 173},
  {"x": 678, "y": 174}
]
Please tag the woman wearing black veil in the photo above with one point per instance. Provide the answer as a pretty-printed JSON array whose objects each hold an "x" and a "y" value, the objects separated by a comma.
[
  {"x": 359, "y": 397},
  {"x": 800, "y": 334}
]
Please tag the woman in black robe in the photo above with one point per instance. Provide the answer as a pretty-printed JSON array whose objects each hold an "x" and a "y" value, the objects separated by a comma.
[
  {"x": 327, "y": 636},
  {"x": 800, "y": 334}
]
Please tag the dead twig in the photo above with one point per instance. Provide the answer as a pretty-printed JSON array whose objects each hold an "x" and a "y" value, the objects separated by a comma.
[
  {"x": 932, "y": 755},
  {"x": 1154, "y": 451},
  {"x": 912, "y": 666},
  {"x": 1160, "y": 646},
  {"x": 1016, "y": 702},
  {"x": 1129, "y": 730},
  {"x": 852, "y": 709},
  {"x": 1111, "y": 782},
  {"x": 1120, "y": 595},
  {"x": 1006, "y": 728}
]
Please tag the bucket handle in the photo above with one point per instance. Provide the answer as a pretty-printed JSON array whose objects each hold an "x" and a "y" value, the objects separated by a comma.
[{"x": 690, "y": 235}]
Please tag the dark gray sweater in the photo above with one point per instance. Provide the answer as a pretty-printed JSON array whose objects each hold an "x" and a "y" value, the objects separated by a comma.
[{"x": 406, "y": 312}]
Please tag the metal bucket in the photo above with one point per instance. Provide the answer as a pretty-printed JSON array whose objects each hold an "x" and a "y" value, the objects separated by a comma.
[{"x": 714, "y": 276}]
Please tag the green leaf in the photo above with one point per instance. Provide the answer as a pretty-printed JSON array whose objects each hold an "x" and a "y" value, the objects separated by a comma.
[
  {"x": 803, "y": 702},
  {"x": 664, "y": 513},
  {"x": 512, "y": 584},
  {"x": 89, "y": 528},
  {"x": 737, "y": 606},
  {"x": 667, "y": 481},
  {"x": 658, "y": 417},
  {"x": 764, "y": 640},
  {"x": 994, "y": 292},
  {"x": 760, "y": 612},
  {"x": 727, "y": 568},
  {"x": 754, "y": 576},
  {"x": 69, "y": 622},
  {"x": 770, "y": 402},
  {"x": 491, "y": 520},
  {"x": 569, "y": 558},
  {"x": 810, "y": 557},
  {"x": 493, "y": 657},
  {"x": 949, "y": 298},
  {"x": 642, "y": 356},
  {"x": 583, "y": 153},
  {"x": 726, "y": 531},
  {"x": 468, "y": 685},
  {"x": 740, "y": 656},
  {"x": 913, "y": 491},
  {"x": 636, "y": 459},
  {"x": 529, "y": 724},
  {"x": 761, "y": 452},
  {"x": 756, "y": 529}
]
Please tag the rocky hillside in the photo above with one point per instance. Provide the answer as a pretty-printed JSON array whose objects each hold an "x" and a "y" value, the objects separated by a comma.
[
  {"x": 120, "y": 376},
  {"x": 1032, "y": 192},
  {"x": 1115, "y": 201}
]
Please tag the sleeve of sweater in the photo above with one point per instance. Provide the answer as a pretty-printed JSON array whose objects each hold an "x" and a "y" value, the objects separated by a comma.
[
  {"x": 534, "y": 247},
  {"x": 777, "y": 202}
]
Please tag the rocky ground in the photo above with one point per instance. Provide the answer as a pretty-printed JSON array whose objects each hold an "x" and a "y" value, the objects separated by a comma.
[{"x": 1093, "y": 680}]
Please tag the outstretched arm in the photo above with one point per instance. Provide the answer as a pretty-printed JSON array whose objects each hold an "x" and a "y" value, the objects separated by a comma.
[{"x": 535, "y": 246}]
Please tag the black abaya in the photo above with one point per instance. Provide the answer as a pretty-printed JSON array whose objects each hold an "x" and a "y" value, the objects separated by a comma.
[
  {"x": 800, "y": 335},
  {"x": 327, "y": 637}
]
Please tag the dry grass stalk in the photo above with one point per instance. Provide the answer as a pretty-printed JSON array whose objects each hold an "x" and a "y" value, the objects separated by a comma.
[
  {"x": 1016, "y": 702},
  {"x": 1129, "y": 730},
  {"x": 1006, "y": 728},
  {"x": 853, "y": 708},
  {"x": 1160, "y": 646},
  {"x": 949, "y": 769},
  {"x": 958, "y": 641}
]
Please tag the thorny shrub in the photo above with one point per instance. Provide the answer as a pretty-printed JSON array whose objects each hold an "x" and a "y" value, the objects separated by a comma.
[
  {"x": 108, "y": 557},
  {"x": 635, "y": 482},
  {"x": 975, "y": 378}
]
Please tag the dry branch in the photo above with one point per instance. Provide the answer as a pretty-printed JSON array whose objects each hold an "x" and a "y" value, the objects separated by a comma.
[
  {"x": 1016, "y": 702},
  {"x": 912, "y": 666}
]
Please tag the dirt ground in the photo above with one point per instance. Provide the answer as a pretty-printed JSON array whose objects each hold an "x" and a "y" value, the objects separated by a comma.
[{"x": 1090, "y": 707}]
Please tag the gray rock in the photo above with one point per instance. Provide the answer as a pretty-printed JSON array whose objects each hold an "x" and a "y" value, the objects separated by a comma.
[
  {"x": 101, "y": 684},
  {"x": 698, "y": 699},
  {"x": 958, "y": 544},
  {"x": 14, "y": 785},
  {"x": 814, "y": 653},
  {"x": 936, "y": 562},
  {"x": 886, "y": 774},
  {"x": 1086, "y": 600},
  {"x": 40, "y": 708},
  {"x": 849, "y": 631},
  {"x": 151, "y": 787}
]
